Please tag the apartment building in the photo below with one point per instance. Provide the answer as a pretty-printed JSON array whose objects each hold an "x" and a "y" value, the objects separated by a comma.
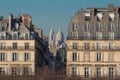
[
  {"x": 93, "y": 43},
  {"x": 18, "y": 53}
]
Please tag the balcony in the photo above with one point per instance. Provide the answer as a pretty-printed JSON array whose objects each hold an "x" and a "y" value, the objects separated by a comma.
[
  {"x": 94, "y": 48},
  {"x": 92, "y": 38},
  {"x": 17, "y": 48}
]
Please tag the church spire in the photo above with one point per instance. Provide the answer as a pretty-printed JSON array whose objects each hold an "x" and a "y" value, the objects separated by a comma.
[{"x": 51, "y": 36}]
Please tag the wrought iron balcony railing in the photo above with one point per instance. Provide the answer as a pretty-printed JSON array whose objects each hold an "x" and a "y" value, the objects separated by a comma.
[
  {"x": 103, "y": 48},
  {"x": 17, "y": 48}
]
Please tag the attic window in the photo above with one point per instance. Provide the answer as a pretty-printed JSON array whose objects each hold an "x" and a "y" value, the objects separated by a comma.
[
  {"x": 87, "y": 16},
  {"x": 15, "y": 35},
  {"x": 3, "y": 35},
  {"x": 26, "y": 35},
  {"x": 74, "y": 26},
  {"x": 16, "y": 26},
  {"x": 4, "y": 26}
]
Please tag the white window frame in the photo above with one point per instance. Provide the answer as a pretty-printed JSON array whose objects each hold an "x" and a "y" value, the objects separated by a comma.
[{"x": 15, "y": 35}]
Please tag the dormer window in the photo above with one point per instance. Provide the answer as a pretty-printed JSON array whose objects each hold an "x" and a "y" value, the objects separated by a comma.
[
  {"x": 15, "y": 35},
  {"x": 86, "y": 26},
  {"x": 26, "y": 36},
  {"x": 74, "y": 26},
  {"x": 4, "y": 26},
  {"x": 99, "y": 26},
  {"x": 3, "y": 35},
  {"x": 111, "y": 27},
  {"x": 16, "y": 26}
]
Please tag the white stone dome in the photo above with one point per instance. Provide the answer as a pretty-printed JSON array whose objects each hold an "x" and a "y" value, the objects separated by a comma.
[{"x": 59, "y": 38}]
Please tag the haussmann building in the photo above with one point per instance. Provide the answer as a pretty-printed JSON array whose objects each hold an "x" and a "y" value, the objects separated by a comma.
[{"x": 93, "y": 43}]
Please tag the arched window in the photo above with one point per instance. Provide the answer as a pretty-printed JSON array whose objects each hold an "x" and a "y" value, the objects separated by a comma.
[
  {"x": 15, "y": 35},
  {"x": 3, "y": 35},
  {"x": 16, "y": 26}
]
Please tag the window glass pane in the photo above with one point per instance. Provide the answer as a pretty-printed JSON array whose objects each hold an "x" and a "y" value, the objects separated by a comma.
[
  {"x": 74, "y": 45},
  {"x": 14, "y": 56},
  {"x": 86, "y": 72},
  {"x": 26, "y": 45},
  {"x": 26, "y": 57},
  {"x": 14, "y": 45},
  {"x": 75, "y": 26}
]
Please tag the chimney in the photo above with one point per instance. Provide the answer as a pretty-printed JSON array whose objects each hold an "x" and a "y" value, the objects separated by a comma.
[
  {"x": 1, "y": 18},
  {"x": 118, "y": 10},
  {"x": 10, "y": 22},
  {"x": 94, "y": 11},
  {"x": 27, "y": 20}
]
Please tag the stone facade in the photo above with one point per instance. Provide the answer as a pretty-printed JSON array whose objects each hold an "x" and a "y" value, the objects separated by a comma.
[
  {"x": 93, "y": 43},
  {"x": 19, "y": 45}
]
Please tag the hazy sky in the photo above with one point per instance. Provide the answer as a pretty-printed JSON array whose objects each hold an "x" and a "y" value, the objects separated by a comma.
[{"x": 50, "y": 13}]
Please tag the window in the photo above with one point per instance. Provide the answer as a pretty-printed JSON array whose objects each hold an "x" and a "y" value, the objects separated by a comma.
[
  {"x": 75, "y": 34},
  {"x": 111, "y": 72},
  {"x": 15, "y": 35},
  {"x": 14, "y": 56},
  {"x": 98, "y": 72},
  {"x": 26, "y": 56},
  {"x": 111, "y": 27},
  {"x": 26, "y": 35},
  {"x": 2, "y": 70},
  {"x": 4, "y": 26},
  {"x": 86, "y": 45},
  {"x": 14, "y": 45},
  {"x": 98, "y": 35},
  {"x": 3, "y": 35},
  {"x": 14, "y": 71},
  {"x": 74, "y": 57},
  {"x": 86, "y": 56},
  {"x": 26, "y": 45},
  {"x": 99, "y": 27},
  {"x": 75, "y": 26},
  {"x": 111, "y": 35},
  {"x": 111, "y": 46},
  {"x": 25, "y": 71},
  {"x": 16, "y": 26},
  {"x": 86, "y": 27},
  {"x": 111, "y": 56},
  {"x": 98, "y": 46},
  {"x": 74, "y": 45},
  {"x": 87, "y": 35},
  {"x": 2, "y": 57},
  {"x": 86, "y": 72},
  {"x": 2, "y": 45},
  {"x": 87, "y": 18},
  {"x": 74, "y": 71},
  {"x": 98, "y": 57}
]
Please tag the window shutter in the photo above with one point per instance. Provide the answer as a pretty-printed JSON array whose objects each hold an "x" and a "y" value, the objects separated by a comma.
[
  {"x": 77, "y": 70},
  {"x": 71, "y": 57},
  {"x": 102, "y": 72},
  {"x": 102, "y": 55},
  {"x": 78, "y": 56}
]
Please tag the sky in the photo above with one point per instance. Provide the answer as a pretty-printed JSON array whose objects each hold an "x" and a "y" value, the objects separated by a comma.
[{"x": 47, "y": 14}]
